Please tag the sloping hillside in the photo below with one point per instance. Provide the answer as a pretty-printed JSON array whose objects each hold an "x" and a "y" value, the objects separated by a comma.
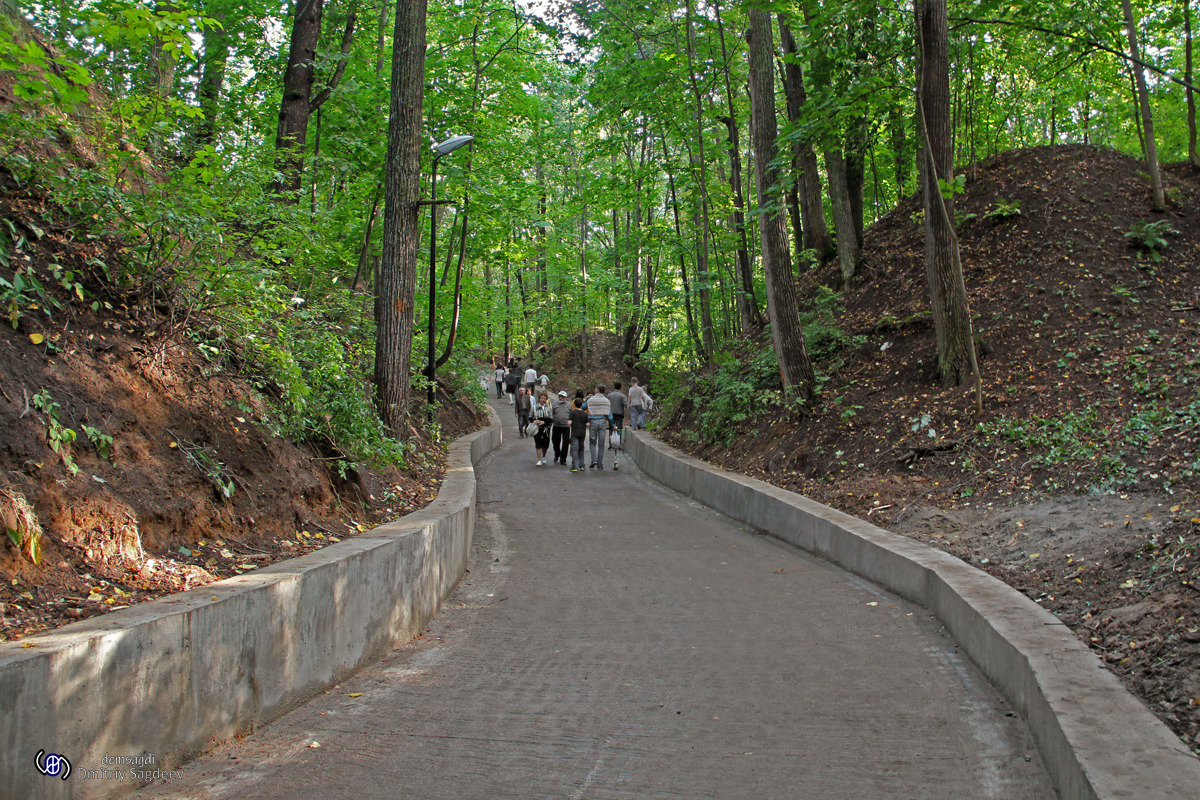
[
  {"x": 1079, "y": 482},
  {"x": 150, "y": 464}
]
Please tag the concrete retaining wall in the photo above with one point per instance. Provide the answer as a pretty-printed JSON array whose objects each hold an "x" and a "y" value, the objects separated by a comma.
[
  {"x": 168, "y": 677},
  {"x": 1097, "y": 740}
]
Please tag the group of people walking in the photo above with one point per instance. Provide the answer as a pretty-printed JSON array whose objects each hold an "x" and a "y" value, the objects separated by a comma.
[{"x": 562, "y": 423}]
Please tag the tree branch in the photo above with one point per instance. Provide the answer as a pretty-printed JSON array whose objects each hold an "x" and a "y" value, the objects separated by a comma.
[
  {"x": 1083, "y": 40},
  {"x": 347, "y": 40}
]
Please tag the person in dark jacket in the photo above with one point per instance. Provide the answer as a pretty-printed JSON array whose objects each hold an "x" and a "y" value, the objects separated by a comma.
[
  {"x": 523, "y": 408},
  {"x": 511, "y": 381},
  {"x": 579, "y": 430},
  {"x": 561, "y": 432},
  {"x": 543, "y": 417}
]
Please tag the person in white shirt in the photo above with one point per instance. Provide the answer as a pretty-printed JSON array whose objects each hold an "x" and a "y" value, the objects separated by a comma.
[
  {"x": 530, "y": 379},
  {"x": 499, "y": 381}
]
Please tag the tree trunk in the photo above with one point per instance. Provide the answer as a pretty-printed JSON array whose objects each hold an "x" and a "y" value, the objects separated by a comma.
[
  {"x": 947, "y": 290},
  {"x": 787, "y": 335},
  {"x": 294, "y": 109},
  {"x": 804, "y": 158},
  {"x": 683, "y": 275},
  {"x": 748, "y": 310},
  {"x": 1158, "y": 200},
  {"x": 1193, "y": 155},
  {"x": 702, "y": 267},
  {"x": 212, "y": 78},
  {"x": 848, "y": 251},
  {"x": 398, "y": 270}
]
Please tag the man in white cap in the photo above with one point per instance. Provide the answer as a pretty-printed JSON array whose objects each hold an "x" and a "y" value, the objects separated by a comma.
[{"x": 560, "y": 433}]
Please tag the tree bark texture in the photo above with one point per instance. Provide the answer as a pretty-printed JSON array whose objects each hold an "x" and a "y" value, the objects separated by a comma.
[
  {"x": 748, "y": 310},
  {"x": 702, "y": 266},
  {"x": 848, "y": 251},
  {"x": 1193, "y": 155},
  {"x": 212, "y": 78},
  {"x": 804, "y": 158},
  {"x": 947, "y": 290},
  {"x": 1158, "y": 200},
  {"x": 787, "y": 335},
  {"x": 398, "y": 270},
  {"x": 294, "y": 109}
]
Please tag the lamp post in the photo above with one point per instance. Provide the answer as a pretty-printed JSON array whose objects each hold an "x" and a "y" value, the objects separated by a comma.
[{"x": 439, "y": 150}]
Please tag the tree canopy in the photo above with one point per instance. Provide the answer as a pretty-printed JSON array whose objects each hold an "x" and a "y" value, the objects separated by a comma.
[{"x": 241, "y": 150}]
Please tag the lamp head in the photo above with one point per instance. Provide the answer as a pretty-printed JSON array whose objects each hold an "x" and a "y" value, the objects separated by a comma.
[{"x": 452, "y": 144}]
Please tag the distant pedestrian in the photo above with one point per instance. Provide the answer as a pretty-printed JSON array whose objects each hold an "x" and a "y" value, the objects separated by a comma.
[
  {"x": 543, "y": 417},
  {"x": 530, "y": 379},
  {"x": 579, "y": 427},
  {"x": 561, "y": 433},
  {"x": 499, "y": 381},
  {"x": 511, "y": 382},
  {"x": 617, "y": 401},
  {"x": 599, "y": 416},
  {"x": 523, "y": 408},
  {"x": 637, "y": 405},
  {"x": 544, "y": 383}
]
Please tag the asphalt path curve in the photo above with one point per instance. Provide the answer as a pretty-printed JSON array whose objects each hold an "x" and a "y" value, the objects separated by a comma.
[{"x": 616, "y": 640}]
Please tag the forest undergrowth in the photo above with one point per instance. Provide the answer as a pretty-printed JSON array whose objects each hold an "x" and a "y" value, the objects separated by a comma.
[
  {"x": 179, "y": 405},
  {"x": 1079, "y": 483}
]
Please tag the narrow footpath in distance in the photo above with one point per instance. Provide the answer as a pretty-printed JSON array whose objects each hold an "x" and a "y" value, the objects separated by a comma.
[{"x": 616, "y": 640}]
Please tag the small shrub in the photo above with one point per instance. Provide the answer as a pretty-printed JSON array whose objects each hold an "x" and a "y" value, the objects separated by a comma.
[
  {"x": 1150, "y": 237},
  {"x": 1005, "y": 209},
  {"x": 59, "y": 437},
  {"x": 21, "y": 523}
]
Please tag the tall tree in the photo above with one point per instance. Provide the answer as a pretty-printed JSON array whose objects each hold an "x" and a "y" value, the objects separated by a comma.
[
  {"x": 747, "y": 301},
  {"x": 807, "y": 176},
  {"x": 402, "y": 187},
  {"x": 943, "y": 268},
  {"x": 1193, "y": 155},
  {"x": 787, "y": 335},
  {"x": 298, "y": 104},
  {"x": 1158, "y": 200}
]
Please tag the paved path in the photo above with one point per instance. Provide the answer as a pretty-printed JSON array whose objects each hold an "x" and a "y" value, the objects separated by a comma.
[{"x": 615, "y": 640}]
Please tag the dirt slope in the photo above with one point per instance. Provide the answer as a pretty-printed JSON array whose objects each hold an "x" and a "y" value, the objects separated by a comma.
[
  {"x": 152, "y": 516},
  {"x": 1079, "y": 483}
]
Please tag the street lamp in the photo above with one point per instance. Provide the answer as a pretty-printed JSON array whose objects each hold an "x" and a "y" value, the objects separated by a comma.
[{"x": 439, "y": 150}]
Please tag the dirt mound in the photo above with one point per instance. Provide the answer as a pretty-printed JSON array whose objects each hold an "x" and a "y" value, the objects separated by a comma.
[
  {"x": 569, "y": 370},
  {"x": 148, "y": 470},
  {"x": 1079, "y": 483}
]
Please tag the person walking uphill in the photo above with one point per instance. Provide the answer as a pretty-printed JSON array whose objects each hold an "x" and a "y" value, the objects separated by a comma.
[
  {"x": 524, "y": 407},
  {"x": 511, "y": 381},
  {"x": 500, "y": 373},
  {"x": 579, "y": 426},
  {"x": 543, "y": 417},
  {"x": 637, "y": 405},
  {"x": 561, "y": 433},
  {"x": 616, "y": 433},
  {"x": 599, "y": 412},
  {"x": 531, "y": 377}
]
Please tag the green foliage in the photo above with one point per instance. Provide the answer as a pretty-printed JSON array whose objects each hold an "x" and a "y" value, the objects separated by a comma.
[
  {"x": 1005, "y": 209},
  {"x": 21, "y": 523},
  {"x": 100, "y": 440},
  {"x": 59, "y": 437},
  {"x": 738, "y": 392},
  {"x": 822, "y": 335},
  {"x": 1151, "y": 237}
]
